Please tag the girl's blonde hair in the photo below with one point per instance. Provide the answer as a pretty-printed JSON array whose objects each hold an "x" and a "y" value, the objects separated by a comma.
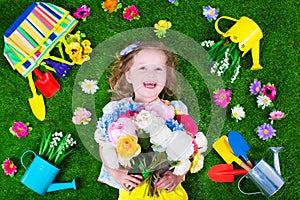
[{"x": 120, "y": 86}]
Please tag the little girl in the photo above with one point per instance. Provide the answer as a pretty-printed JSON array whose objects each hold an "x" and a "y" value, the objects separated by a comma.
[{"x": 142, "y": 74}]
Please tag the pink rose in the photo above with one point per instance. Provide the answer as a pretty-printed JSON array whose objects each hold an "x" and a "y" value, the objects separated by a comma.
[
  {"x": 122, "y": 127},
  {"x": 162, "y": 110},
  {"x": 188, "y": 123}
]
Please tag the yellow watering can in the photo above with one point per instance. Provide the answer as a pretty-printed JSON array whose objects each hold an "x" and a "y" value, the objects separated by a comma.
[{"x": 247, "y": 34}]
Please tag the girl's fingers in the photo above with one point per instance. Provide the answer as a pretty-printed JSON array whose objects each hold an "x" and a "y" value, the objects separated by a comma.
[
  {"x": 133, "y": 180},
  {"x": 125, "y": 188}
]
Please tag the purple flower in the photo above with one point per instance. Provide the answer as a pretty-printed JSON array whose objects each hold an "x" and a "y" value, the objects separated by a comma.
[
  {"x": 270, "y": 91},
  {"x": 210, "y": 13},
  {"x": 265, "y": 131},
  {"x": 82, "y": 12},
  {"x": 255, "y": 87}
]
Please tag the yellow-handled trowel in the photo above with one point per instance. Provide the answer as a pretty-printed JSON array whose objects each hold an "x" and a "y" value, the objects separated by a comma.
[{"x": 37, "y": 103}]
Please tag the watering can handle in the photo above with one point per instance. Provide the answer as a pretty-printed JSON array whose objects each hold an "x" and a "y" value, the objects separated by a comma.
[
  {"x": 247, "y": 193},
  {"x": 217, "y": 21},
  {"x": 28, "y": 151}
]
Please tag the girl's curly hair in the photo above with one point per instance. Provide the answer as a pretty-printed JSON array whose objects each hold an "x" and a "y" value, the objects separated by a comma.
[{"x": 117, "y": 80}]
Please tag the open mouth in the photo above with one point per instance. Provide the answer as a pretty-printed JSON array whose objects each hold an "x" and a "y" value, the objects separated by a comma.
[{"x": 149, "y": 84}]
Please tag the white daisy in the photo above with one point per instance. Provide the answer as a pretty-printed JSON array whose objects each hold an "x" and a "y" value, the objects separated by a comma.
[
  {"x": 238, "y": 112},
  {"x": 263, "y": 101},
  {"x": 89, "y": 86}
]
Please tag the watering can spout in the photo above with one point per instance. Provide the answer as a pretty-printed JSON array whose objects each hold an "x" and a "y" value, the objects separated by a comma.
[
  {"x": 61, "y": 186},
  {"x": 275, "y": 151}
]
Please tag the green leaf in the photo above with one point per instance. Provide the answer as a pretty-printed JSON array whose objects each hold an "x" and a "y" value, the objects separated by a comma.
[
  {"x": 47, "y": 143},
  {"x": 42, "y": 144},
  {"x": 60, "y": 157}
]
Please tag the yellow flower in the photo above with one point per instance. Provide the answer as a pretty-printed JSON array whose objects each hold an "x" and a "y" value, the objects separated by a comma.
[
  {"x": 162, "y": 25},
  {"x": 74, "y": 50},
  {"x": 128, "y": 146},
  {"x": 73, "y": 38},
  {"x": 80, "y": 59},
  {"x": 86, "y": 46},
  {"x": 197, "y": 163}
]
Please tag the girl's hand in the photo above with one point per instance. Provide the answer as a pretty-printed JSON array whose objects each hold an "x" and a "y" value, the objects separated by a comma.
[
  {"x": 169, "y": 181},
  {"x": 122, "y": 177}
]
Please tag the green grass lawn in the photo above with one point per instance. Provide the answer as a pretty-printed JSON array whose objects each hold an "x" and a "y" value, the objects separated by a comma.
[{"x": 279, "y": 55}]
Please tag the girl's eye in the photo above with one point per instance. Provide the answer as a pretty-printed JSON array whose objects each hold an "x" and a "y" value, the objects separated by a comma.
[
  {"x": 159, "y": 69},
  {"x": 142, "y": 68}
]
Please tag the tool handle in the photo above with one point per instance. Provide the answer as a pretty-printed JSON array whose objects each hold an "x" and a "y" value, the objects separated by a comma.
[
  {"x": 249, "y": 163},
  {"x": 28, "y": 151},
  {"x": 233, "y": 172},
  {"x": 217, "y": 22},
  {"x": 31, "y": 84},
  {"x": 245, "y": 166},
  {"x": 38, "y": 73}
]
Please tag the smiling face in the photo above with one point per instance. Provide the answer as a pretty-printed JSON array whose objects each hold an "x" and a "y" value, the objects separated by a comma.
[{"x": 148, "y": 74}]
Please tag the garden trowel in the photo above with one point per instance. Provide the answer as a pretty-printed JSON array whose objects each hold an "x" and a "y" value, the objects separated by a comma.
[
  {"x": 224, "y": 173},
  {"x": 37, "y": 103},
  {"x": 224, "y": 150}
]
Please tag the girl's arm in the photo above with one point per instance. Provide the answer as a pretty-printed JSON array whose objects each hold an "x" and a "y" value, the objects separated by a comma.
[{"x": 119, "y": 174}]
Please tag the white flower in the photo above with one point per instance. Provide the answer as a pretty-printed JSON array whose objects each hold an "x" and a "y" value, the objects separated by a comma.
[
  {"x": 161, "y": 137},
  {"x": 238, "y": 112},
  {"x": 143, "y": 119},
  {"x": 263, "y": 101},
  {"x": 89, "y": 86},
  {"x": 201, "y": 141},
  {"x": 181, "y": 146},
  {"x": 58, "y": 134},
  {"x": 182, "y": 168},
  {"x": 237, "y": 71},
  {"x": 207, "y": 43}
]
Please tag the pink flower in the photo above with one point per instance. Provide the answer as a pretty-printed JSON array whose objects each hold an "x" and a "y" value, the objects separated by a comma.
[
  {"x": 9, "y": 167},
  {"x": 128, "y": 114},
  {"x": 20, "y": 129},
  {"x": 188, "y": 123},
  {"x": 130, "y": 13},
  {"x": 276, "y": 115},
  {"x": 162, "y": 110},
  {"x": 82, "y": 12},
  {"x": 270, "y": 91},
  {"x": 121, "y": 128},
  {"x": 81, "y": 115},
  {"x": 222, "y": 97},
  {"x": 196, "y": 150}
]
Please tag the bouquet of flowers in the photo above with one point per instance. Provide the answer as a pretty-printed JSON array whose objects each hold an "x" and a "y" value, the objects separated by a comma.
[
  {"x": 55, "y": 147},
  {"x": 152, "y": 141}
]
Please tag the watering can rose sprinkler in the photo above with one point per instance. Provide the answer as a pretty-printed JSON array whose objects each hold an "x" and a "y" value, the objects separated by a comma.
[
  {"x": 247, "y": 34},
  {"x": 41, "y": 173}
]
